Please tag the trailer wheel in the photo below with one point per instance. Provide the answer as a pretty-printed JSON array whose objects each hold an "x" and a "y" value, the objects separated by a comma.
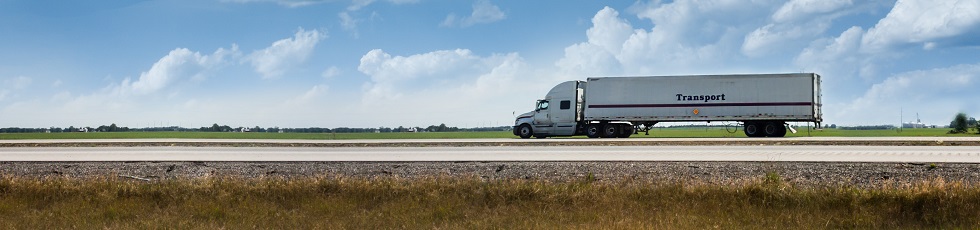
[
  {"x": 772, "y": 129},
  {"x": 625, "y": 131},
  {"x": 592, "y": 130},
  {"x": 610, "y": 130},
  {"x": 525, "y": 131},
  {"x": 752, "y": 129},
  {"x": 780, "y": 131}
]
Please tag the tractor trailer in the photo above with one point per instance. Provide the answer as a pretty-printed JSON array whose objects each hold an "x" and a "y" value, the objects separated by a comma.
[{"x": 617, "y": 107}]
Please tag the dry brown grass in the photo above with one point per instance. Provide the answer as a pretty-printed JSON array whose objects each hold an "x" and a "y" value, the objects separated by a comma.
[{"x": 346, "y": 203}]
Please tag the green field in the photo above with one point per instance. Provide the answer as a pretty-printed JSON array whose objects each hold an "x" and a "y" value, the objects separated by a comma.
[
  {"x": 656, "y": 132},
  {"x": 472, "y": 203},
  {"x": 238, "y": 135}
]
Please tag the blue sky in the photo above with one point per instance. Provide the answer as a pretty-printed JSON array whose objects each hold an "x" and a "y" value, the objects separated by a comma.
[{"x": 371, "y": 63}]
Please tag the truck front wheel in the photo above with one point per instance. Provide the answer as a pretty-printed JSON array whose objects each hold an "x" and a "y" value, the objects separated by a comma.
[{"x": 524, "y": 131}]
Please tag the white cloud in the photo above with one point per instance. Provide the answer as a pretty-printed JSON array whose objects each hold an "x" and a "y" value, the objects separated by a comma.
[
  {"x": 309, "y": 96},
  {"x": 56, "y": 83},
  {"x": 456, "y": 87},
  {"x": 687, "y": 35},
  {"x": 801, "y": 9},
  {"x": 11, "y": 85},
  {"x": 483, "y": 12},
  {"x": 398, "y": 2},
  {"x": 937, "y": 94},
  {"x": 179, "y": 63},
  {"x": 358, "y": 4},
  {"x": 20, "y": 82},
  {"x": 331, "y": 72},
  {"x": 834, "y": 57},
  {"x": 691, "y": 35},
  {"x": 286, "y": 3},
  {"x": 391, "y": 75},
  {"x": 923, "y": 22},
  {"x": 776, "y": 37},
  {"x": 608, "y": 30},
  {"x": 349, "y": 21},
  {"x": 346, "y": 21},
  {"x": 796, "y": 23},
  {"x": 597, "y": 56},
  {"x": 275, "y": 60}
]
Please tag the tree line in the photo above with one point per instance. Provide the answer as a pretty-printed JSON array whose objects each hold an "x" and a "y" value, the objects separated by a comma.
[{"x": 226, "y": 128}]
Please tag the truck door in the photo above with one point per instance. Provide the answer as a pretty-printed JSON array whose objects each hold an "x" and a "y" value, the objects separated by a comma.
[
  {"x": 542, "y": 115},
  {"x": 563, "y": 115}
]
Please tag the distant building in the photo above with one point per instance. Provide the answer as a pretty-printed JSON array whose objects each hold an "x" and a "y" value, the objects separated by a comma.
[
  {"x": 913, "y": 125},
  {"x": 917, "y": 124}
]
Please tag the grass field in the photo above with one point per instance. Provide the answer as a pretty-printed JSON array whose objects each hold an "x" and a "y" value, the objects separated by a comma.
[
  {"x": 656, "y": 132},
  {"x": 238, "y": 135},
  {"x": 471, "y": 203}
]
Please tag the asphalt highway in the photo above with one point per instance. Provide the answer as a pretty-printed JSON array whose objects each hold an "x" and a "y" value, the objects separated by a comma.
[
  {"x": 793, "y": 153},
  {"x": 494, "y": 140}
]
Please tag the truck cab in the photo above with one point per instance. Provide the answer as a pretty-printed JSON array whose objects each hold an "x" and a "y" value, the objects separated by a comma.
[{"x": 558, "y": 114}]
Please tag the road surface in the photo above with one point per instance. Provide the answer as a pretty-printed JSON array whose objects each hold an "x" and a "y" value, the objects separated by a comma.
[
  {"x": 495, "y": 140},
  {"x": 805, "y": 153}
]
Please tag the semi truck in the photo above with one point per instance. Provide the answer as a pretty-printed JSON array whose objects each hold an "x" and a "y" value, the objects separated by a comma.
[{"x": 618, "y": 107}]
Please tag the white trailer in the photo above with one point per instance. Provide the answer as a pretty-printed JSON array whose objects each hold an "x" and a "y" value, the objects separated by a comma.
[{"x": 621, "y": 106}]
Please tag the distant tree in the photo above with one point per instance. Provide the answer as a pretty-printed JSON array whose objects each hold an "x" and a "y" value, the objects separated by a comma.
[
  {"x": 833, "y": 126},
  {"x": 215, "y": 127},
  {"x": 972, "y": 122},
  {"x": 959, "y": 123},
  {"x": 976, "y": 125},
  {"x": 113, "y": 128}
]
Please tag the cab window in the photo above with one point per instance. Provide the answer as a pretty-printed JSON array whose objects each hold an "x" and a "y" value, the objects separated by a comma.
[
  {"x": 566, "y": 104},
  {"x": 542, "y": 105}
]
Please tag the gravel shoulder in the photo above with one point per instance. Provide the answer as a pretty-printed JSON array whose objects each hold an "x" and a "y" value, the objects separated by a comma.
[{"x": 805, "y": 174}]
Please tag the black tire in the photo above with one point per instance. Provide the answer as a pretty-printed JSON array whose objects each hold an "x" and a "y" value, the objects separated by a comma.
[
  {"x": 592, "y": 130},
  {"x": 625, "y": 131},
  {"x": 610, "y": 130},
  {"x": 781, "y": 131},
  {"x": 771, "y": 129},
  {"x": 525, "y": 131},
  {"x": 751, "y": 129},
  {"x": 540, "y": 136}
]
